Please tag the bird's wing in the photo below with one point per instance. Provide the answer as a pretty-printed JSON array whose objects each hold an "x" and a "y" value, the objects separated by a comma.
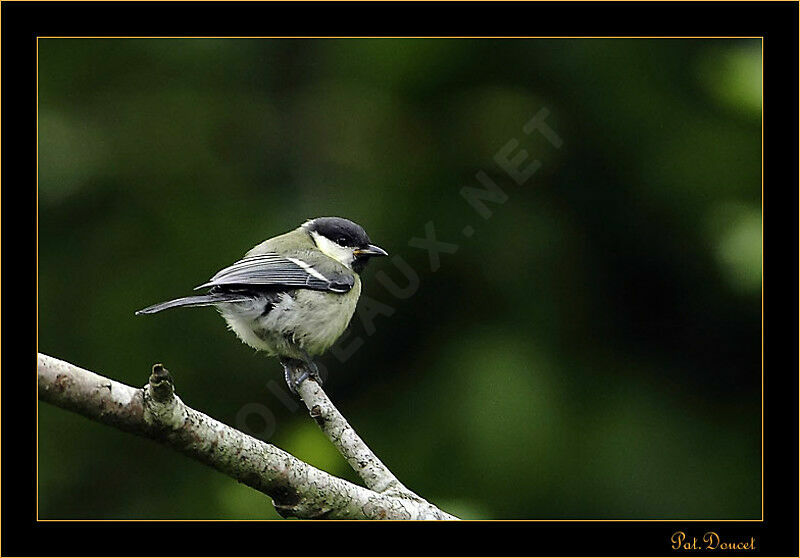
[{"x": 274, "y": 270}]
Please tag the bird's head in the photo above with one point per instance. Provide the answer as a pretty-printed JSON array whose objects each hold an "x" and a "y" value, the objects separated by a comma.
[{"x": 343, "y": 240}]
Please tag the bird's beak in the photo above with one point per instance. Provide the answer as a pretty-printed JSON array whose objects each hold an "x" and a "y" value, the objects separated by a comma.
[{"x": 370, "y": 250}]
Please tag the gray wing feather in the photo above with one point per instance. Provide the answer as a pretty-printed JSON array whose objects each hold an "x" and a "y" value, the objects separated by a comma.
[
  {"x": 274, "y": 270},
  {"x": 200, "y": 300}
]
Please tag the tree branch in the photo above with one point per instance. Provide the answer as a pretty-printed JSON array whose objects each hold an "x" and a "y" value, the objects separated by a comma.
[
  {"x": 374, "y": 473},
  {"x": 296, "y": 488}
]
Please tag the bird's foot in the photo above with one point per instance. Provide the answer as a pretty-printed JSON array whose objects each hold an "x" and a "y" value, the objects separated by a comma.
[{"x": 298, "y": 371}]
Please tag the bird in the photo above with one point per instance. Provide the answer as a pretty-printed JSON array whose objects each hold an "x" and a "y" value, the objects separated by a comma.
[{"x": 293, "y": 295}]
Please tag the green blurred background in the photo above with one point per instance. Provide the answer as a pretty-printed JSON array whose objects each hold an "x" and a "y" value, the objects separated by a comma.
[{"x": 592, "y": 351}]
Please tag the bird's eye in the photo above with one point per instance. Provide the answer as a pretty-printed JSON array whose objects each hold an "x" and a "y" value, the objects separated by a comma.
[{"x": 341, "y": 241}]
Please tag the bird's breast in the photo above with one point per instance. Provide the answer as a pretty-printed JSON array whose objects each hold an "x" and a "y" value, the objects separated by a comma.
[
  {"x": 318, "y": 318},
  {"x": 294, "y": 322}
]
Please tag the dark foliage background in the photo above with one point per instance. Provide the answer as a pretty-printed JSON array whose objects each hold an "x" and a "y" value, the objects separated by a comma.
[{"x": 592, "y": 351}]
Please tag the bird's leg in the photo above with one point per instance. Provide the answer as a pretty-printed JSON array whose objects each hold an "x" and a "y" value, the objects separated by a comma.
[
  {"x": 297, "y": 371},
  {"x": 290, "y": 373},
  {"x": 312, "y": 370}
]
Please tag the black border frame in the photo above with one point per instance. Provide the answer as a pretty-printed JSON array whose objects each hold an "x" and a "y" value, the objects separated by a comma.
[{"x": 22, "y": 22}]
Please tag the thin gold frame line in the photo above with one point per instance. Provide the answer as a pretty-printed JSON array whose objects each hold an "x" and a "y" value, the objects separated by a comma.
[
  {"x": 761, "y": 520},
  {"x": 399, "y": 36}
]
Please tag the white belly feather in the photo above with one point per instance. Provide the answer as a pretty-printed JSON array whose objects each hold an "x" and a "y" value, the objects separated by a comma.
[{"x": 309, "y": 322}]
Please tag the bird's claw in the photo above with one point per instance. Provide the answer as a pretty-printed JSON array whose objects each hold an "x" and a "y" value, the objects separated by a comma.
[{"x": 296, "y": 372}]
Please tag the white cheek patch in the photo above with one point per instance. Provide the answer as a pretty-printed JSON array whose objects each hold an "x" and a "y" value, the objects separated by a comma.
[{"x": 341, "y": 254}]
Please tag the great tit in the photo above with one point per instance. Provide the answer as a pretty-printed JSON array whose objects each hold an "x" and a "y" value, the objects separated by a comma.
[{"x": 293, "y": 295}]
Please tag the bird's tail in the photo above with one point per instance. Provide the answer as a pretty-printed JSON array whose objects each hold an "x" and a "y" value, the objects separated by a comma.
[{"x": 189, "y": 301}]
